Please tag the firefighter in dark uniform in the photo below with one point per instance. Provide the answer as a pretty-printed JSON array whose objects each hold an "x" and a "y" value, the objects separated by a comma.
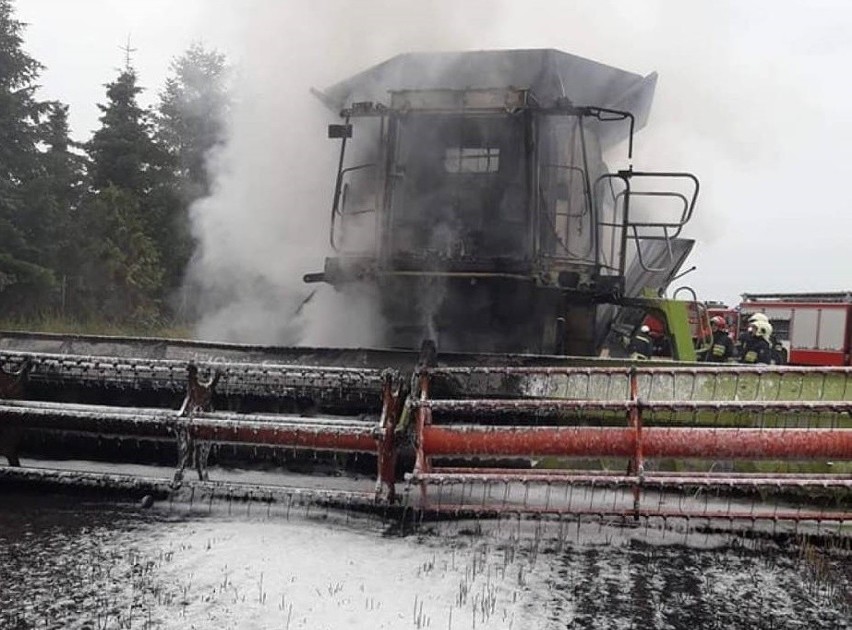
[
  {"x": 777, "y": 348},
  {"x": 641, "y": 347},
  {"x": 722, "y": 348},
  {"x": 756, "y": 348},
  {"x": 779, "y": 355}
]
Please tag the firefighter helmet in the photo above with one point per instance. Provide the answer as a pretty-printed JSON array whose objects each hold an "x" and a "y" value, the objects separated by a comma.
[
  {"x": 763, "y": 329},
  {"x": 718, "y": 322},
  {"x": 758, "y": 317}
]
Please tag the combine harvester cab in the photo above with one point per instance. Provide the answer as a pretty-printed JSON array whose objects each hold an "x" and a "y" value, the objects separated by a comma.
[
  {"x": 473, "y": 199},
  {"x": 478, "y": 209}
]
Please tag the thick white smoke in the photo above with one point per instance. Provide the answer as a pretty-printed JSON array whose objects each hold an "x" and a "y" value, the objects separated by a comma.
[
  {"x": 749, "y": 98},
  {"x": 267, "y": 222}
]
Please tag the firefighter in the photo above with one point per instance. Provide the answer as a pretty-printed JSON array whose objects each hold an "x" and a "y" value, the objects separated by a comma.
[
  {"x": 722, "y": 349},
  {"x": 661, "y": 347},
  {"x": 756, "y": 348},
  {"x": 777, "y": 348},
  {"x": 753, "y": 319},
  {"x": 747, "y": 334},
  {"x": 641, "y": 347},
  {"x": 758, "y": 317},
  {"x": 779, "y": 354}
]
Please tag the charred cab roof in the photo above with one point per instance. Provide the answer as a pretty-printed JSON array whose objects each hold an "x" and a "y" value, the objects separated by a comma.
[{"x": 548, "y": 74}]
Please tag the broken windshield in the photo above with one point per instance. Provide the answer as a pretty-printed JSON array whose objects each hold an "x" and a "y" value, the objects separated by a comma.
[{"x": 460, "y": 191}]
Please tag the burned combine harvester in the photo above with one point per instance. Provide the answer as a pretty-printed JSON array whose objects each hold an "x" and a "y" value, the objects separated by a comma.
[
  {"x": 473, "y": 196},
  {"x": 472, "y": 199}
]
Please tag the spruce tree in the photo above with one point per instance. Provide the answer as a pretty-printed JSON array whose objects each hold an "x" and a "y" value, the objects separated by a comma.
[
  {"x": 57, "y": 204},
  {"x": 122, "y": 151},
  {"x": 120, "y": 273},
  {"x": 190, "y": 125},
  {"x": 26, "y": 282},
  {"x": 125, "y": 215},
  {"x": 193, "y": 109}
]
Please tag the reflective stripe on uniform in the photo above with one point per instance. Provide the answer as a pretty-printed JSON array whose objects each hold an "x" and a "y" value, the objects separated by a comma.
[{"x": 750, "y": 357}]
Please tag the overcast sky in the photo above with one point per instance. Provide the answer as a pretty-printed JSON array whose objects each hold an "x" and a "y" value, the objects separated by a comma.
[{"x": 754, "y": 97}]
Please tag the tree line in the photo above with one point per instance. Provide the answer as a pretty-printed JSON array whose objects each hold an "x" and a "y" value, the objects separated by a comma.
[{"x": 100, "y": 231}]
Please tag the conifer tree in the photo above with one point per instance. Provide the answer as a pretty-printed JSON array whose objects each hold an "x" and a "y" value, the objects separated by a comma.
[
  {"x": 125, "y": 214},
  {"x": 192, "y": 113},
  {"x": 57, "y": 206},
  {"x": 122, "y": 151},
  {"x": 190, "y": 125},
  {"x": 25, "y": 282},
  {"x": 120, "y": 273}
]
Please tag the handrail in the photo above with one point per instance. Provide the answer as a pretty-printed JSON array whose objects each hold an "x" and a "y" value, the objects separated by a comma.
[{"x": 631, "y": 229}]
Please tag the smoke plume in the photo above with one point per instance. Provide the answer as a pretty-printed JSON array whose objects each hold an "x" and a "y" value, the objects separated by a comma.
[
  {"x": 751, "y": 100},
  {"x": 266, "y": 223}
]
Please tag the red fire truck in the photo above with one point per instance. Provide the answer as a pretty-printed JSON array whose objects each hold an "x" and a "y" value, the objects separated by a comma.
[{"x": 815, "y": 328}]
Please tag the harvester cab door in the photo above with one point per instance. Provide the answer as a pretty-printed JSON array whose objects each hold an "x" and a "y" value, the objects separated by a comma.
[
  {"x": 358, "y": 189},
  {"x": 567, "y": 222}
]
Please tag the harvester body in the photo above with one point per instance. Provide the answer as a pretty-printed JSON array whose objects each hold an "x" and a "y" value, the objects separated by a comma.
[
  {"x": 478, "y": 207},
  {"x": 478, "y": 210}
]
